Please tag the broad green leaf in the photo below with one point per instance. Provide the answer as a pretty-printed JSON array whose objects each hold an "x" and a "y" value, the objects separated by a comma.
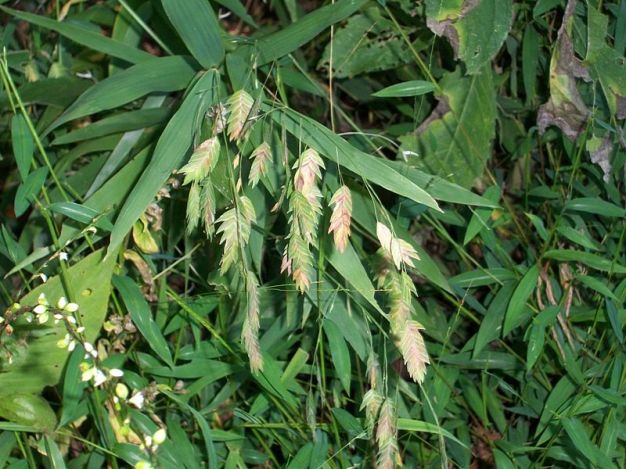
[
  {"x": 476, "y": 30},
  {"x": 617, "y": 324},
  {"x": 596, "y": 206},
  {"x": 606, "y": 64},
  {"x": 536, "y": 341},
  {"x": 172, "y": 148},
  {"x": 81, "y": 214},
  {"x": 339, "y": 353},
  {"x": 9, "y": 247},
  {"x": 597, "y": 285},
  {"x": 348, "y": 422},
  {"x": 287, "y": 40},
  {"x": 140, "y": 313},
  {"x": 27, "y": 409},
  {"x": 578, "y": 434},
  {"x": 122, "y": 149},
  {"x": 199, "y": 29},
  {"x": 73, "y": 388},
  {"x": 530, "y": 61},
  {"x": 591, "y": 260},
  {"x": 84, "y": 36},
  {"x": 609, "y": 395},
  {"x": 40, "y": 363},
  {"x": 29, "y": 189},
  {"x": 482, "y": 277},
  {"x": 517, "y": 309},
  {"x": 576, "y": 236},
  {"x": 204, "y": 428},
  {"x": 455, "y": 141},
  {"x": 439, "y": 188},
  {"x": 540, "y": 227},
  {"x": 407, "y": 88},
  {"x": 558, "y": 396},
  {"x": 209, "y": 370},
  {"x": 59, "y": 92},
  {"x": 155, "y": 75},
  {"x": 23, "y": 145},
  {"x": 110, "y": 196},
  {"x": 350, "y": 267},
  {"x": 419, "y": 426},
  {"x": 54, "y": 453},
  {"x": 491, "y": 325},
  {"x": 117, "y": 123},
  {"x": 26, "y": 262},
  {"x": 338, "y": 150},
  {"x": 481, "y": 217}
]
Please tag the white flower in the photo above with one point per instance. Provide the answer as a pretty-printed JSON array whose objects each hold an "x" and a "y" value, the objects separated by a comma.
[
  {"x": 44, "y": 278},
  {"x": 137, "y": 400},
  {"x": 159, "y": 436},
  {"x": 67, "y": 342},
  {"x": 62, "y": 303},
  {"x": 99, "y": 378},
  {"x": 116, "y": 373},
  {"x": 92, "y": 373},
  {"x": 89, "y": 348},
  {"x": 63, "y": 256},
  {"x": 40, "y": 309},
  {"x": 121, "y": 391},
  {"x": 43, "y": 318},
  {"x": 71, "y": 307},
  {"x": 144, "y": 465}
]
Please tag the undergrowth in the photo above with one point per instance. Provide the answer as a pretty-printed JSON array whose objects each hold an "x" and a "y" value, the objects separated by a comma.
[{"x": 312, "y": 234}]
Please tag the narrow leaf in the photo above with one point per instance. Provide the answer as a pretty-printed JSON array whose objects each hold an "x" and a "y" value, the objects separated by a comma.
[{"x": 197, "y": 25}]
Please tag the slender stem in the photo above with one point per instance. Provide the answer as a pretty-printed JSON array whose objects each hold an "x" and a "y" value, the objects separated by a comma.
[{"x": 145, "y": 27}]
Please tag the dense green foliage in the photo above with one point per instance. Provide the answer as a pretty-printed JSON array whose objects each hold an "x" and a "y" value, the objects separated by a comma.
[{"x": 346, "y": 233}]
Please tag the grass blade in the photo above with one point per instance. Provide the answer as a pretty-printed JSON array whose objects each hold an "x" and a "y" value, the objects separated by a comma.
[
  {"x": 84, "y": 36},
  {"x": 155, "y": 75},
  {"x": 197, "y": 25},
  {"x": 170, "y": 152}
]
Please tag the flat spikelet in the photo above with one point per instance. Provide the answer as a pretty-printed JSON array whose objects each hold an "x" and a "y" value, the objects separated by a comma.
[
  {"x": 373, "y": 370},
  {"x": 202, "y": 161},
  {"x": 341, "y": 217},
  {"x": 261, "y": 159},
  {"x": 413, "y": 349},
  {"x": 207, "y": 205},
  {"x": 308, "y": 169},
  {"x": 304, "y": 216},
  {"x": 301, "y": 261},
  {"x": 250, "y": 331},
  {"x": 193, "y": 208},
  {"x": 386, "y": 437},
  {"x": 397, "y": 250},
  {"x": 401, "y": 289},
  {"x": 372, "y": 400},
  {"x": 239, "y": 106},
  {"x": 235, "y": 225}
]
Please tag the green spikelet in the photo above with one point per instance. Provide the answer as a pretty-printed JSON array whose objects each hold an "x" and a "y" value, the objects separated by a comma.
[{"x": 239, "y": 106}]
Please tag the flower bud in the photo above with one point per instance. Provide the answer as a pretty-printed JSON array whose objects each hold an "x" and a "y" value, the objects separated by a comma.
[
  {"x": 62, "y": 303},
  {"x": 159, "y": 436},
  {"x": 121, "y": 391}
]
